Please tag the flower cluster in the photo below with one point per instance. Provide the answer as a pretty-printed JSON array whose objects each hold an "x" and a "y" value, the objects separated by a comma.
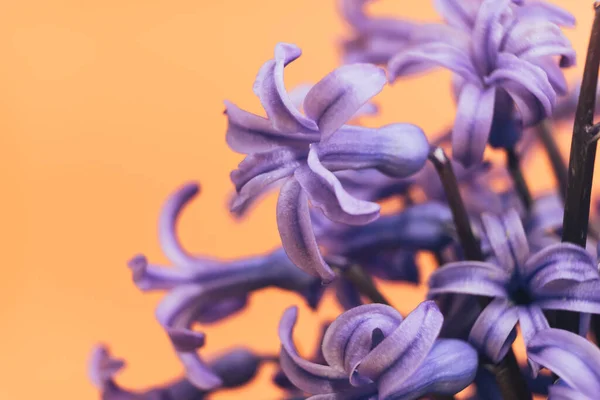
[{"x": 506, "y": 262}]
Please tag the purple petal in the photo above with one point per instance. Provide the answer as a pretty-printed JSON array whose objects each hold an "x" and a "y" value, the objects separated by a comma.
[
  {"x": 578, "y": 297},
  {"x": 561, "y": 261},
  {"x": 494, "y": 331},
  {"x": 531, "y": 40},
  {"x": 326, "y": 192},
  {"x": 248, "y": 133},
  {"x": 150, "y": 277},
  {"x": 298, "y": 95},
  {"x": 260, "y": 172},
  {"x": 270, "y": 88},
  {"x": 473, "y": 122},
  {"x": 556, "y": 392},
  {"x": 449, "y": 367},
  {"x": 102, "y": 367},
  {"x": 348, "y": 339},
  {"x": 469, "y": 277},
  {"x": 573, "y": 358},
  {"x": 407, "y": 346},
  {"x": 458, "y": 13},
  {"x": 556, "y": 76},
  {"x": 531, "y": 321},
  {"x": 353, "y": 12},
  {"x": 167, "y": 224},
  {"x": 186, "y": 340},
  {"x": 307, "y": 376},
  {"x": 236, "y": 367},
  {"x": 422, "y": 57},
  {"x": 487, "y": 34},
  {"x": 545, "y": 11},
  {"x": 397, "y": 150},
  {"x": 371, "y": 49},
  {"x": 527, "y": 84},
  {"x": 340, "y": 94},
  {"x": 295, "y": 229},
  {"x": 218, "y": 310},
  {"x": 507, "y": 239}
]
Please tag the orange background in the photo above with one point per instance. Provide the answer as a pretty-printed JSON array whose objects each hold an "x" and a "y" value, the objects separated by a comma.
[{"x": 106, "y": 107}]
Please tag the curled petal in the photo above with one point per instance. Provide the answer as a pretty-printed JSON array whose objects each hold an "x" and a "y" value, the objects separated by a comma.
[
  {"x": 581, "y": 297},
  {"x": 487, "y": 33},
  {"x": 326, "y": 192},
  {"x": 150, "y": 277},
  {"x": 474, "y": 116},
  {"x": 560, "y": 261},
  {"x": 536, "y": 39},
  {"x": 469, "y": 277},
  {"x": 248, "y": 133},
  {"x": 270, "y": 88},
  {"x": 338, "y": 96},
  {"x": 560, "y": 392},
  {"x": 295, "y": 229},
  {"x": 186, "y": 340},
  {"x": 527, "y": 84},
  {"x": 218, "y": 310},
  {"x": 397, "y": 150},
  {"x": 351, "y": 333},
  {"x": 556, "y": 76},
  {"x": 507, "y": 238},
  {"x": 298, "y": 95},
  {"x": 167, "y": 224},
  {"x": 307, "y": 376},
  {"x": 407, "y": 346},
  {"x": 494, "y": 331},
  {"x": 531, "y": 321},
  {"x": 449, "y": 367},
  {"x": 236, "y": 367},
  {"x": 573, "y": 358},
  {"x": 420, "y": 58}
]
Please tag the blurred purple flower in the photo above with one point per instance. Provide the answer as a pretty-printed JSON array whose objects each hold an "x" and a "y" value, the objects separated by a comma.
[
  {"x": 375, "y": 39},
  {"x": 503, "y": 65},
  {"x": 304, "y": 152},
  {"x": 207, "y": 290},
  {"x": 370, "y": 352},
  {"x": 573, "y": 358},
  {"x": 235, "y": 368},
  {"x": 560, "y": 277}
]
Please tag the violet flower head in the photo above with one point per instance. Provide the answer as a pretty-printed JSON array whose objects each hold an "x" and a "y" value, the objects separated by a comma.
[
  {"x": 372, "y": 353},
  {"x": 505, "y": 64},
  {"x": 303, "y": 152},
  {"x": 235, "y": 367},
  {"x": 562, "y": 276},
  {"x": 207, "y": 290},
  {"x": 573, "y": 358}
]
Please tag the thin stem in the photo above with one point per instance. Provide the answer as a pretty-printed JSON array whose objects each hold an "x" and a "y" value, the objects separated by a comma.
[
  {"x": 581, "y": 160},
  {"x": 559, "y": 167},
  {"x": 514, "y": 168},
  {"x": 507, "y": 373},
  {"x": 363, "y": 283}
]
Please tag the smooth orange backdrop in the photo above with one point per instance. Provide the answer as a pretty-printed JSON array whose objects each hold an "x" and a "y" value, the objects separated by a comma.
[{"x": 106, "y": 107}]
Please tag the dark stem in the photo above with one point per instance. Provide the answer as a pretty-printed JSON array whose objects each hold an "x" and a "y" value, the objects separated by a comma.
[
  {"x": 581, "y": 160},
  {"x": 363, "y": 283},
  {"x": 513, "y": 163},
  {"x": 507, "y": 373},
  {"x": 559, "y": 167}
]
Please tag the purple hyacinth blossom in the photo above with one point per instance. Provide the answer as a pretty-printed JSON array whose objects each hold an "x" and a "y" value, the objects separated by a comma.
[
  {"x": 371, "y": 352},
  {"x": 207, "y": 290},
  {"x": 573, "y": 358},
  {"x": 235, "y": 367},
  {"x": 559, "y": 277},
  {"x": 501, "y": 66},
  {"x": 305, "y": 151}
]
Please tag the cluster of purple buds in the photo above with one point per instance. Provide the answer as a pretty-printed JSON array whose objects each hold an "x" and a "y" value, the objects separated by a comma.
[{"x": 508, "y": 262}]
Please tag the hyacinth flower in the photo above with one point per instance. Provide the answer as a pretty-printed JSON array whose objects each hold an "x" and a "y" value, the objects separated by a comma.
[
  {"x": 562, "y": 276},
  {"x": 206, "y": 290},
  {"x": 371, "y": 352},
  {"x": 303, "y": 152},
  {"x": 500, "y": 67},
  {"x": 573, "y": 358},
  {"x": 235, "y": 367}
]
